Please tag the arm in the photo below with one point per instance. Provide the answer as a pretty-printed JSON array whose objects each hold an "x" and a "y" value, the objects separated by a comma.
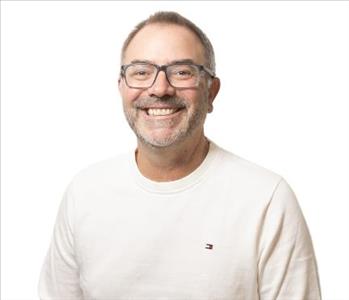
[
  {"x": 59, "y": 278},
  {"x": 287, "y": 266}
]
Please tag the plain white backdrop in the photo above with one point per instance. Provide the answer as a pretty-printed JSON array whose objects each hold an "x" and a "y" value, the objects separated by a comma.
[{"x": 284, "y": 104}]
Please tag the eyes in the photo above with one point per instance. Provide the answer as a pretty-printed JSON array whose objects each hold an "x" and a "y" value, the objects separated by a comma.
[
  {"x": 141, "y": 74},
  {"x": 177, "y": 72},
  {"x": 180, "y": 75},
  {"x": 183, "y": 72}
]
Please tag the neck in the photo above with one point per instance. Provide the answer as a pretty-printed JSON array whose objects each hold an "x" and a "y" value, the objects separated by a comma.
[{"x": 173, "y": 162}]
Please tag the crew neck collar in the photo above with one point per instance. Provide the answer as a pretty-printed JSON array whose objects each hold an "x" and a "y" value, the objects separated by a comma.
[{"x": 179, "y": 185}]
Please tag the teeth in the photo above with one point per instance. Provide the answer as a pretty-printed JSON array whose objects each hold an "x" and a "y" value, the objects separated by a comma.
[{"x": 161, "y": 111}]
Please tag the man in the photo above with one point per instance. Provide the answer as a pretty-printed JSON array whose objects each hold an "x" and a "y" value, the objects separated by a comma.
[{"x": 179, "y": 218}]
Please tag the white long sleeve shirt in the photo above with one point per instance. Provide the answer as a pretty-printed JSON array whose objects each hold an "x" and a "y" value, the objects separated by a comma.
[{"x": 230, "y": 230}]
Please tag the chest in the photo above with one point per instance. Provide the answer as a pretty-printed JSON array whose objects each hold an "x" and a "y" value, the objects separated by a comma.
[{"x": 190, "y": 250}]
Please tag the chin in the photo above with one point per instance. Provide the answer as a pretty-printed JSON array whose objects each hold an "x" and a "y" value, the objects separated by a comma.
[{"x": 161, "y": 141}]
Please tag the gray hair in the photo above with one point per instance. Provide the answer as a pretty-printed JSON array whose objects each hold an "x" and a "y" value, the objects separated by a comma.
[{"x": 170, "y": 17}]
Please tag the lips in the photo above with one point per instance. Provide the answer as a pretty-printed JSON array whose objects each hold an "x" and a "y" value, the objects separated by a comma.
[
  {"x": 154, "y": 107},
  {"x": 161, "y": 111}
]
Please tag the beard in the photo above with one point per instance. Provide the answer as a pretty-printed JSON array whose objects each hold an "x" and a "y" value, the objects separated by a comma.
[{"x": 190, "y": 119}]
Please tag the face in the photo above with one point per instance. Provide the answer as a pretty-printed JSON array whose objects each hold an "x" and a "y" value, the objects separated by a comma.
[{"x": 162, "y": 115}]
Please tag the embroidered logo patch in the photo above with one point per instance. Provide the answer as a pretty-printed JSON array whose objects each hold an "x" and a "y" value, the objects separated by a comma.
[{"x": 209, "y": 246}]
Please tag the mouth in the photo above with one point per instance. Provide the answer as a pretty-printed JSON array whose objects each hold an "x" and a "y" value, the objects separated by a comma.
[{"x": 161, "y": 112}]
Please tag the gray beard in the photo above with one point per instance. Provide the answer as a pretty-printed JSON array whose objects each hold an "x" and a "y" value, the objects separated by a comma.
[{"x": 194, "y": 121}]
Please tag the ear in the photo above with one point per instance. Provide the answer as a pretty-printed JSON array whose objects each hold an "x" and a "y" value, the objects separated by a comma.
[
  {"x": 213, "y": 91},
  {"x": 119, "y": 83}
]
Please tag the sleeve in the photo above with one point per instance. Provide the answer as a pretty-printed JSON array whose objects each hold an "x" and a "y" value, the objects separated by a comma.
[
  {"x": 287, "y": 267},
  {"x": 59, "y": 278}
]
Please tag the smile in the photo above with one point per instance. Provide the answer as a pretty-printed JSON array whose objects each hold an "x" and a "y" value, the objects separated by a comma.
[{"x": 161, "y": 111}]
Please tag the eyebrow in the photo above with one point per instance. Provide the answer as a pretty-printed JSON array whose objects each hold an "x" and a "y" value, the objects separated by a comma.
[{"x": 179, "y": 61}]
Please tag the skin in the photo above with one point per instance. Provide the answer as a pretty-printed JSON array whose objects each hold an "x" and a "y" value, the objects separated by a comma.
[{"x": 168, "y": 147}]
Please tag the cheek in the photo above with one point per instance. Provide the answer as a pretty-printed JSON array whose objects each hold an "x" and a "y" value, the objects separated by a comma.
[
  {"x": 194, "y": 98},
  {"x": 190, "y": 95},
  {"x": 129, "y": 95}
]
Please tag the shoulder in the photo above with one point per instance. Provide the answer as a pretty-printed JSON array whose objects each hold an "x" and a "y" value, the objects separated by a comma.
[
  {"x": 245, "y": 173},
  {"x": 102, "y": 173},
  {"x": 259, "y": 187}
]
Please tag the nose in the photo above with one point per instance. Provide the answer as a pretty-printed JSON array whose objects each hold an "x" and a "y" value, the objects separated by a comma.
[{"x": 161, "y": 86}]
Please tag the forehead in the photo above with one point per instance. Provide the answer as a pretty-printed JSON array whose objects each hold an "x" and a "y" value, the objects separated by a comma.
[{"x": 164, "y": 43}]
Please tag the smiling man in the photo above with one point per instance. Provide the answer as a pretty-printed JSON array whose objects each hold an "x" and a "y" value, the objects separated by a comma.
[
  {"x": 168, "y": 86},
  {"x": 178, "y": 217}
]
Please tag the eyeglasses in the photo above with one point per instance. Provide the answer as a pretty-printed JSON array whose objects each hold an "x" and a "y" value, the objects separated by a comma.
[{"x": 179, "y": 75}]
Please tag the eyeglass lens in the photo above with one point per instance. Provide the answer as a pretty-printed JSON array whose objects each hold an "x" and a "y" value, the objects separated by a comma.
[{"x": 143, "y": 75}]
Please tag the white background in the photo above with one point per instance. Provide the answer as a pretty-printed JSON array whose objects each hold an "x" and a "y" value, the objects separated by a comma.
[{"x": 283, "y": 104}]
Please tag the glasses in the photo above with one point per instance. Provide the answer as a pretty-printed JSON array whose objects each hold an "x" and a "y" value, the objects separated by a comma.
[{"x": 179, "y": 75}]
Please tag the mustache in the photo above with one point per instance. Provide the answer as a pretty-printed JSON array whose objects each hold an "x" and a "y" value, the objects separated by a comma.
[{"x": 147, "y": 102}]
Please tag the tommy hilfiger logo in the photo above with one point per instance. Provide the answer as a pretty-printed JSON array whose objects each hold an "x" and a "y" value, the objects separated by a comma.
[{"x": 209, "y": 246}]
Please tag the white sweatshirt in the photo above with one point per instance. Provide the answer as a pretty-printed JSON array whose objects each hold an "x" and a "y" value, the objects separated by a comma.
[{"x": 230, "y": 230}]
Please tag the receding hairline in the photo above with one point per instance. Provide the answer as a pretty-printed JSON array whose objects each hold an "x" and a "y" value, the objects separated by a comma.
[
  {"x": 162, "y": 24},
  {"x": 165, "y": 18}
]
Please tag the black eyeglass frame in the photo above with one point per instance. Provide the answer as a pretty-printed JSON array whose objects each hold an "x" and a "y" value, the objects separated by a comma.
[{"x": 202, "y": 68}]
